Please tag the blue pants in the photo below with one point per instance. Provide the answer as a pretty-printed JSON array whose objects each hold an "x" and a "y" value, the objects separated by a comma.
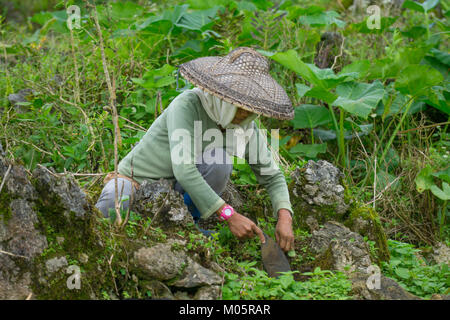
[{"x": 215, "y": 174}]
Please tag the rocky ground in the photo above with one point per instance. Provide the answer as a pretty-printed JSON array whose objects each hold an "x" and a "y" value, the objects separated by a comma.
[{"x": 55, "y": 245}]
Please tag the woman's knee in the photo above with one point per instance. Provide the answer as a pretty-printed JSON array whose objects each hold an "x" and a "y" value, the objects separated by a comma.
[{"x": 106, "y": 200}]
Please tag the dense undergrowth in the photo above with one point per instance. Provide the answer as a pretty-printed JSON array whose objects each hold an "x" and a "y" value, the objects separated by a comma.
[{"x": 377, "y": 108}]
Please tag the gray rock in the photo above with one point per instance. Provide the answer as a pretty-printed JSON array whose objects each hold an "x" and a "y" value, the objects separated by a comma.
[
  {"x": 16, "y": 98},
  {"x": 56, "y": 264},
  {"x": 388, "y": 289},
  {"x": 17, "y": 183},
  {"x": 181, "y": 295},
  {"x": 340, "y": 249},
  {"x": 195, "y": 275},
  {"x": 441, "y": 254},
  {"x": 162, "y": 204},
  {"x": 61, "y": 192},
  {"x": 208, "y": 293},
  {"x": 319, "y": 184},
  {"x": 20, "y": 241},
  {"x": 160, "y": 262},
  {"x": 158, "y": 290}
]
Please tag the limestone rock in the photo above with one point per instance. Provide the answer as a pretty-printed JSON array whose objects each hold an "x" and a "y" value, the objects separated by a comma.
[
  {"x": 387, "y": 289},
  {"x": 56, "y": 264},
  {"x": 441, "y": 254},
  {"x": 61, "y": 192},
  {"x": 319, "y": 185},
  {"x": 208, "y": 293},
  {"x": 338, "y": 248},
  {"x": 160, "y": 262},
  {"x": 162, "y": 204},
  {"x": 158, "y": 290},
  {"x": 195, "y": 275},
  {"x": 318, "y": 195}
]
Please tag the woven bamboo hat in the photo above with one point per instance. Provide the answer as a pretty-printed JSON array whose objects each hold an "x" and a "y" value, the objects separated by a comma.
[{"x": 241, "y": 78}]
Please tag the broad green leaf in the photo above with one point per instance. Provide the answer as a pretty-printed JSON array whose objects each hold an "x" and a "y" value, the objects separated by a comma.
[
  {"x": 420, "y": 7},
  {"x": 438, "y": 97},
  {"x": 323, "y": 78},
  {"x": 360, "y": 66},
  {"x": 361, "y": 27},
  {"x": 321, "y": 94},
  {"x": 197, "y": 19},
  {"x": 291, "y": 60},
  {"x": 443, "y": 175},
  {"x": 423, "y": 180},
  {"x": 302, "y": 89},
  {"x": 402, "y": 273},
  {"x": 125, "y": 10},
  {"x": 310, "y": 116},
  {"x": 359, "y": 98},
  {"x": 444, "y": 193},
  {"x": 442, "y": 56},
  {"x": 309, "y": 150},
  {"x": 418, "y": 79},
  {"x": 322, "y": 19}
]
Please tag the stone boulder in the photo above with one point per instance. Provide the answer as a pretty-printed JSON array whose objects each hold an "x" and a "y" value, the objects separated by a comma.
[
  {"x": 318, "y": 194},
  {"x": 169, "y": 264},
  {"x": 164, "y": 205},
  {"x": 338, "y": 248},
  {"x": 20, "y": 239}
]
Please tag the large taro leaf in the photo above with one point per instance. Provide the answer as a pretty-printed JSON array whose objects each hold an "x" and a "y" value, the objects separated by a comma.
[
  {"x": 444, "y": 193},
  {"x": 323, "y": 78},
  {"x": 424, "y": 180},
  {"x": 359, "y": 98},
  {"x": 420, "y": 7},
  {"x": 310, "y": 116},
  {"x": 418, "y": 79},
  {"x": 362, "y": 27},
  {"x": 309, "y": 150},
  {"x": 196, "y": 20}
]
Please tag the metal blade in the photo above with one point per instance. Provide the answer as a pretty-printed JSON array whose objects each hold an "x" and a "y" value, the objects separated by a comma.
[{"x": 273, "y": 258}]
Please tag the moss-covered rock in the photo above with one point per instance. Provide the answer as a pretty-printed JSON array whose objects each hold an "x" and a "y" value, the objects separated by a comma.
[{"x": 318, "y": 194}]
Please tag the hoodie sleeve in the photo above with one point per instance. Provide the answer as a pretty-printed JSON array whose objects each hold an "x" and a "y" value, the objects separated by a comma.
[
  {"x": 267, "y": 172},
  {"x": 180, "y": 127}
]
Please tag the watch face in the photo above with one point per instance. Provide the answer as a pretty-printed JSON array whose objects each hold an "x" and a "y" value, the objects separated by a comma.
[{"x": 227, "y": 212}]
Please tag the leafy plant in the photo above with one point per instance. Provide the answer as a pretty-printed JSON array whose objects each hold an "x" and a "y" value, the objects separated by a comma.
[{"x": 414, "y": 274}]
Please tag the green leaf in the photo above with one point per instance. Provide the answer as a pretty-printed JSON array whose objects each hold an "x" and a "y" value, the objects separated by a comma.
[
  {"x": 323, "y": 78},
  {"x": 443, "y": 175},
  {"x": 310, "y": 116},
  {"x": 444, "y": 193},
  {"x": 309, "y": 150},
  {"x": 420, "y": 7},
  {"x": 402, "y": 273},
  {"x": 302, "y": 89},
  {"x": 424, "y": 181},
  {"x": 418, "y": 79},
  {"x": 286, "y": 280},
  {"x": 322, "y": 19},
  {"x": 196, "y": 20},
  {"x": 360, "y": 66},
  {"x": 359, "y": 98}
]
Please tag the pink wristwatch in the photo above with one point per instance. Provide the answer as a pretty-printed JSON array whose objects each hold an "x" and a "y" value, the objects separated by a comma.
[{"x": 226, "y": 213}]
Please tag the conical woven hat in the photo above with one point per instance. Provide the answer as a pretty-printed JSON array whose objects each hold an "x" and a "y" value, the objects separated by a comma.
[{"x": 241, "y": 78}]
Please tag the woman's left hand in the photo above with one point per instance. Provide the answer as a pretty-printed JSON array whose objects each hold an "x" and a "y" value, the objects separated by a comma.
[{"x": 283, "y": 233}]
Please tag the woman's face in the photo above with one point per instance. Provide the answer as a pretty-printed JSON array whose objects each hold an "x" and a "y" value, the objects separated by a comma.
[{"x": 240, "y": 115}]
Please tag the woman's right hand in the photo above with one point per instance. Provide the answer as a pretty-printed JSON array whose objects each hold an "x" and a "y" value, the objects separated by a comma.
[{"x": 244, "y": 228}]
